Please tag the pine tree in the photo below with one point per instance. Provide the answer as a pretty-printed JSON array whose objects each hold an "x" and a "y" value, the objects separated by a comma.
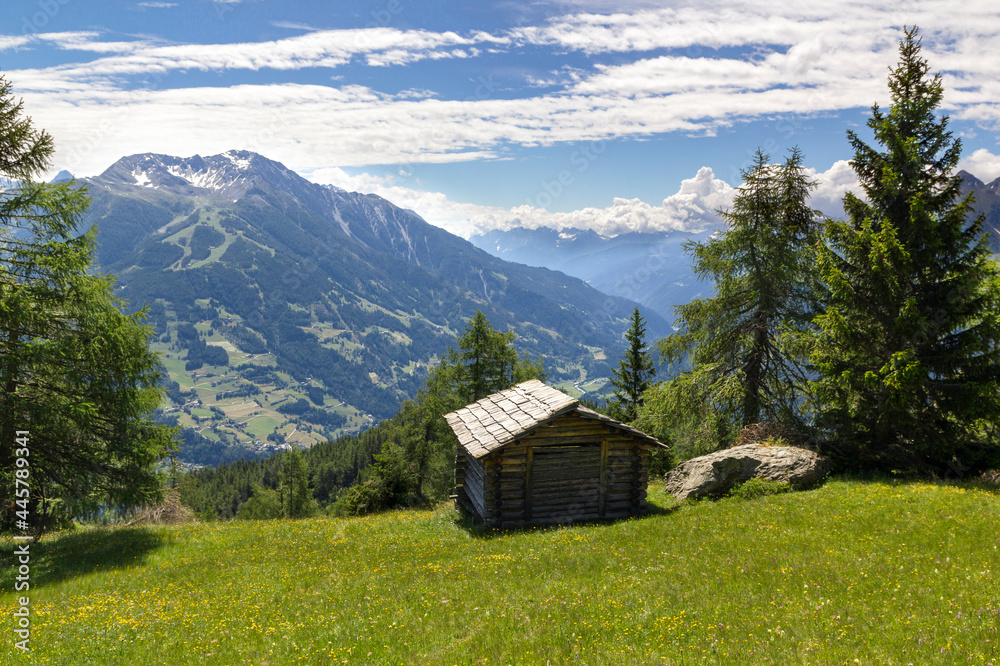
[
  {"x": 296, "y": 497},
  {"x": 75, "y": 372},
  {"x": 634, "y": 373},
  {"x": 745, "y": 344},
  {"x": 908, "y": 344},
  {"x": 486, "y": 361}
]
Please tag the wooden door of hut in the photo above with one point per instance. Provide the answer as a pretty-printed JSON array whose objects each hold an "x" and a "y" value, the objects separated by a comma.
[{"x": 566, "y": 480}]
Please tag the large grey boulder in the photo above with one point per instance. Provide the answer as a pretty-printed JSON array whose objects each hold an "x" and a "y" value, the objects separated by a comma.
[{"x": 713, "y": 475}]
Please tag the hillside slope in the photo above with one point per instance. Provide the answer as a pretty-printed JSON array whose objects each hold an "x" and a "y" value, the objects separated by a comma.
[{"x": 290, "y": 312}]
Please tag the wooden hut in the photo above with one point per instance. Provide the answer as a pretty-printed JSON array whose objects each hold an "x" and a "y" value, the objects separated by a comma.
[{"x": 532, "y": 454}]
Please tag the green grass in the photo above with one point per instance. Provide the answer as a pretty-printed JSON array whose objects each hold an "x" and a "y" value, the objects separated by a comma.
[
  {"x": 261, "y": 426},
  {"x": 853, "y": 572}
]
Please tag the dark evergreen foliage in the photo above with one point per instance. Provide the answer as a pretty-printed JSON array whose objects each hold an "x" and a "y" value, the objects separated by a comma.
[
  {"x": 297, "y": 407},
  {"x": 908, "y": 346},
  {"x": 77, "y": 380},
  {"x": 203, "y": 239},
  {"x": 219, "y": 492},
  {"x": 634, "y": 373}
]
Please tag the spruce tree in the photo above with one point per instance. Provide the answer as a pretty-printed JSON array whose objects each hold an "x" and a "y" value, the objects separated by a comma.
[
  {"x": 487, "y": 357},
  {"x": 634, "y": 373},
  {"x": 907, "y": 348},
  {"x": 745, "y": 344},
  {"x": 416, "y": 463}
]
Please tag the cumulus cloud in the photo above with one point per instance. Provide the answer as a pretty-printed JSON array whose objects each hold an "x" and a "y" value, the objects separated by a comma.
[
  {"x": 692, "y": 208},
  {"x": 982, "y": 164},
  {"x": 832, "y": 185}
]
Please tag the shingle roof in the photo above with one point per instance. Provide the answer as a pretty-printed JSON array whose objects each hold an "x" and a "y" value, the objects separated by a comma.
[
  {"x": 591, "y": 414},
  {"x": 500, "y": 418}
]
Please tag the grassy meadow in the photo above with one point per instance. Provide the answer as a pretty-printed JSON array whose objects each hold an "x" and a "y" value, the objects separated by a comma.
[{"x": 852, "y": 572}]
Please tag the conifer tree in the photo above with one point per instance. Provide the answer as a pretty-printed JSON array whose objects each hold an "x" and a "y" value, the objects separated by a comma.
[
  {"x": 297, "y": 499},
  {"x": 745, "y": 344},
  {"x": 634, "y": 373},
  {"x": 417, "y": 459},
  {"x": 908, "y": 344},
  {"x": 75, "y": 371},
  {"x": 486, "y": 362}
]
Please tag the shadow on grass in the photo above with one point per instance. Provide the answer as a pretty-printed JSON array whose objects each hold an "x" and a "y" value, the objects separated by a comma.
[
  {"x": 78, "y": 553},
  {"x": 464, "y": 522}
]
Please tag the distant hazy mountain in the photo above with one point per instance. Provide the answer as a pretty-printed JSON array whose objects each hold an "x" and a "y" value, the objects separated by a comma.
[
  {"x": 288, "y": 311},
  {"x": 649, "y": 268},
  {"x": 987, "y": 203},
  {"x": 653, "y": 268}
]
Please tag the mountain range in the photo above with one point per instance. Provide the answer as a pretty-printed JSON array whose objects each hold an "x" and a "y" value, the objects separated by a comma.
[
  {"x": 290, "y": 312},
  {"x": 649, "y": 268},
  {"x": 987, "y": 204},
  {"x": 652, "y": 268}
]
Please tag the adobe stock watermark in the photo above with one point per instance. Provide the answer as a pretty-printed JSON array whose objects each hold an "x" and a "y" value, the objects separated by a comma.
[
  {"x": 22, "y": 555},
  {"x": 47, "y": 10}
]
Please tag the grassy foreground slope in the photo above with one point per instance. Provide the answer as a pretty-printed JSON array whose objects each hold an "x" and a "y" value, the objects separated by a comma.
[{"x": 873, "y": 572}]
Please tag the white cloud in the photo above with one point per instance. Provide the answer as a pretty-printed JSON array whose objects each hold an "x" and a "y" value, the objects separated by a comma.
[
  {"x": 982, "y": 164},
  {"x": 790, "y": 59},
  {"x": 380, "y": 46},
  {"x": 832, "y": 185},
  {"x": 692, "y": 208},
  {"x": 832, "y": 55},
  {"x": 13, "y": 41},
  {"x": 88, "y": 41},
  {"x": 715, "y": 24},
  {"x": 293, "y": 25},
  {"x": 157, "y": 5}
]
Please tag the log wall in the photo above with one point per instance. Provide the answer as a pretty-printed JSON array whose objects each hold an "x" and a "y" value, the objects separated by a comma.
[{"x": 470, "y": 495}]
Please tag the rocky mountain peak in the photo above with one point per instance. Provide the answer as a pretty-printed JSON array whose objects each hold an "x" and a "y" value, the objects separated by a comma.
[{"x": 228, "y": 175}]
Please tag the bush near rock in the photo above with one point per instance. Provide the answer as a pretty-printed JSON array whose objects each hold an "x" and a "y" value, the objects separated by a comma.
[{"x": 713, "y": 475}]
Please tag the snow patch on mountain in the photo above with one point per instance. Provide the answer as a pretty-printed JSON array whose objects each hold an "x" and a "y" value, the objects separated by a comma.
[
  {"x": 141, "y": 178},
  {"x": 209, "y": 179},
  {"x": 241, "y": 163}
]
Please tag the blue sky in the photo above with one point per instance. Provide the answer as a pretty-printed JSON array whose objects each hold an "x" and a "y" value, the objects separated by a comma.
[{"x": 608, "y": 115}]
